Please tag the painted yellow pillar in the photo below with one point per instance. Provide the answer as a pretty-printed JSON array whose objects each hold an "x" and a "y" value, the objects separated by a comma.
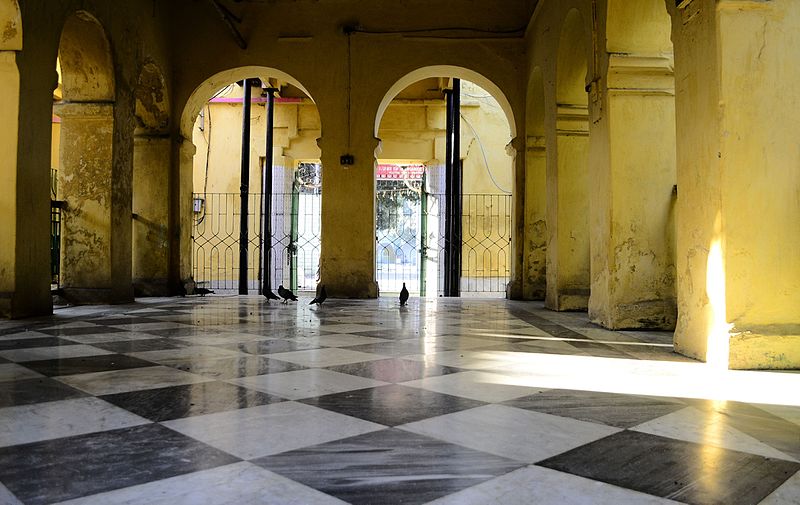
[
  {"x": 181, "y": 213},
  {"x": 151, "y": 164},
  {"x": 534, "y": 277},
  {"x": 516, "y": 286},
  {"x": 85, "y": 186},
  {"x": 347, "y": 256},
  {"x": 738, "y": 180},
  {"x": 568, "y": 212},
  {"x": 632, "y": 202},
  {"x": 9, "y": 117}
]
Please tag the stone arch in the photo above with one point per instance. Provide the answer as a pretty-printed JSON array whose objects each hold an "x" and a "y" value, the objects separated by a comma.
[
  {"x": 488, "y": 175},
  {"x": 208, "y": 87},
  {"x": 86, "y": 64},
  {"x": 88, "y": 274},
  {"x": 568, "y": 260},
  {"x": 535, "y": 234},
  {"x": 308, "y": 150},
  {"x": 151, "y": 168},
  {"x": 449, "y": 71}
]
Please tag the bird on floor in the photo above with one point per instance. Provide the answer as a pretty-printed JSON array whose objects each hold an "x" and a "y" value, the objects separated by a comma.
[
  {"x": 286, "y": 294},
  {"x": 269, "y": 295},
  {"x": 403, "y": 295},
  {"x": 322, "y": 295},
  {"x": 202, "y": 291}
]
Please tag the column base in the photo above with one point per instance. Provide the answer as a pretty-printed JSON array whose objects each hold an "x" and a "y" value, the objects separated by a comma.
[
  {"x": 766, "y": 348},
  {"x": 92, "y": 296},
  {"x": 576, "y": 300},
  {"x": 649, "y": 314}
]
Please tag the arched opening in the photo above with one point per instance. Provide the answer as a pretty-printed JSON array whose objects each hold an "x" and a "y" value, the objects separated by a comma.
[
  {"x": 282, "y": 230},
  {"x": 568, "y": 275},
  {"x": 151, "y": 166},
  {"x": 10, "y": 43},
  {"x": 634, "y": 170},
  {"x": 82, "y": 170},
  {"x": 535, "y": 260},
  {"x": 425, "y": 231}
]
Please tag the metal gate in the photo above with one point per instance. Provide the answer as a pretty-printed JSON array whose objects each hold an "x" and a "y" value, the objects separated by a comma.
[
  {"x": 485, "y": 243},
  {"x": 295, "y": 235}
]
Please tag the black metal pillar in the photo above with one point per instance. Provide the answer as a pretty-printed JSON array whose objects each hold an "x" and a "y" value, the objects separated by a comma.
[
  {"x": 244, "y": 188},
  {"x": 266, "y": 198},
  {"x": 448, "y": 197},
  {"x": 456, "y": 222}
]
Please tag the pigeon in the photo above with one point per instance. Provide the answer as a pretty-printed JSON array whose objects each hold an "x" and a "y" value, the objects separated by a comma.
[
  {"x": 202, "y": 291},
  {"x": 403, "y": 295},
  {"x": 321, "y": 296},
  {"x": 286, "y": 294},
  {"x": 269, "y": 295}
]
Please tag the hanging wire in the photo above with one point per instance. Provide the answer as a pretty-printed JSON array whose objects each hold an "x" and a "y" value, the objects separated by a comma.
[{"x": 485, "y": 160}]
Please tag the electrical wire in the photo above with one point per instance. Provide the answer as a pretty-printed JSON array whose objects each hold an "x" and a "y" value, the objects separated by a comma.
[{"x": 483, "y": 152}]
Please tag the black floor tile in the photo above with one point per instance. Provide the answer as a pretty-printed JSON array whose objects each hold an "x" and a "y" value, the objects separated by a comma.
[
  {"x": 392, "y": 405},
  {"x": 394, "y": 370},
  {"x": 674, "y": 469},
  {"x": 86, "y": 364},
  {"x": 175, "y": 402},
  {"x": 388, "y": 467},
  {"x": 29, "y": 343},
  {"x": 232, "y": 368},
  {"x": 621, "y": 411},
  {"x": 67, "y": 468},
  {"x": 28, "y": 391},
  {"x": 87, "y": 330}
]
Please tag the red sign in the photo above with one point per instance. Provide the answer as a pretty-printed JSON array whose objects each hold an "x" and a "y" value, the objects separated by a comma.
[{"x": 400, "y": 172}]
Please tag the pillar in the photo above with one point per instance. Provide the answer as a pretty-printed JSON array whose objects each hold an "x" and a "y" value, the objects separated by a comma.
[
  {"x": 151, "y": 164},
  {"x": 738, "y": 180},
  {"x": 632, "y": 201},
  {"x": 85, "y": 184},
  {"x": 9, "y": 117},
  {"x": 568, "y": 211},
  {"x": 519, "y": 280},
  {"x": 181, "y": 214},
  {"x": 535, "y": 234}
]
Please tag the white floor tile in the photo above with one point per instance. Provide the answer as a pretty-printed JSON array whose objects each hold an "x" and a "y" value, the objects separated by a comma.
[
  {"x": 55, "y": 352},
  {"x": 270, "y": 429},
  {"x": 510, "y": 432},
  {"x": 326, "y": 357},
  {"x": 306, "y": 383},
  {"x": 134, "y": 379},
  {"x": 482, "y": 386}
]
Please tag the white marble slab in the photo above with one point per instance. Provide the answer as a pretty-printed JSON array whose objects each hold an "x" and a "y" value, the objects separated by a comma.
[
  {"x": 24, "y": 334},
  {"x": 543, "y": 486},
  {"x": 344, "y": 340},
  {"x": 350, "y": 327},
  {"x": 787, "y": 494},
  {"x": 790, "y": 413},
  {"x": 306, "y": 383},
  {"x": 510, "y": 432},
  {"x": 476, "y": 360},
  {"x": 220, "y": 338},
  {"x": 482, "y": 386},
  {"x": 55, "y": 352},
  {"x": 13, "y": 372},
  {"x": 65, "y": 418},
  {"x": 707, "y": 428},
  {"x": 133, "y": 379},
  {"x": 270, "y": 429},
  {"x": 331, "y": 356},
  {"x": 240, "y": 483},
  {"x": 172, "y": 356}
]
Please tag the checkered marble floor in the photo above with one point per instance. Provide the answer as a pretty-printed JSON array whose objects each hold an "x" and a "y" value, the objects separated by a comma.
[{"x": 230, "y": 400}]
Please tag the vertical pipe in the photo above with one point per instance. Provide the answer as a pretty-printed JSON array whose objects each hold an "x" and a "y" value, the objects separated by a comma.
[
  {"x": 423, "y": 236},
  {"x": 294, "y": 235},
  {"x": 448, "y": 195},
  {"x": 244, "y": 188},
  {"x": 266, "y": 198},
  {"x": 457, "y": 222}
]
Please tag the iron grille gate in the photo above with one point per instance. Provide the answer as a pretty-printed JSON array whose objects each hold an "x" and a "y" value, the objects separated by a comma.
[
  {"x": 295, "y": 241},
  {"x": 410, "y": 242}
]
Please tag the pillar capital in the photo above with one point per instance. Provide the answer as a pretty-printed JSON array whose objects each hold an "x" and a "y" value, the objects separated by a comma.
[
  {"x": 641, "y": 74},
  {"x": 84, "y": 110}
]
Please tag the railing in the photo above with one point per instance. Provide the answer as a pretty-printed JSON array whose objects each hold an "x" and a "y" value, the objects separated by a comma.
[
  {"x": 55, "y": 242},
  {"x": 295, "y": 240}
]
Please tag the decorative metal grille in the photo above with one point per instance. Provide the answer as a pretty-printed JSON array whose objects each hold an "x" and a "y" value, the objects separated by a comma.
[
  {"x": 55, "y": 242},
  {"x": 295, "y": 236},
  {"x": 398, "y": 235}
]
